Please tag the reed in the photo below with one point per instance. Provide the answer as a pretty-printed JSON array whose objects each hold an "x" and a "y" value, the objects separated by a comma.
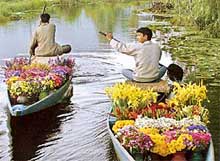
[{"x": 17, "y": 9}]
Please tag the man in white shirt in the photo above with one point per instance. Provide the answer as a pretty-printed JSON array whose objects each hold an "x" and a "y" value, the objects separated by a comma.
[
  {"x": 43, "y": 42},
  {"x": 146, "y": 54}
]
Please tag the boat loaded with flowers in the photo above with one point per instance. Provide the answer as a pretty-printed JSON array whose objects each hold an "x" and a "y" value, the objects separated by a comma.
[
  {"x": 34, "y": 87},
  {"x": 142, "y": 129}
]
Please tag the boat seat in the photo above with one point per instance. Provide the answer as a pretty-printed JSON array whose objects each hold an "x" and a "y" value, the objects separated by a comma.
[{"x": 161, "y": 86}]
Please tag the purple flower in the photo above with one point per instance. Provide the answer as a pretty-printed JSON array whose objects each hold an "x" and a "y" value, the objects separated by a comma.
[
  {"x": 197, "y": 127},
  {"x": 11, "y": 73}
]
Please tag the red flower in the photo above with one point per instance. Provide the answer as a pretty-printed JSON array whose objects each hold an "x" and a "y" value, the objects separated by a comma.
[{"x": 132, "y": 115}]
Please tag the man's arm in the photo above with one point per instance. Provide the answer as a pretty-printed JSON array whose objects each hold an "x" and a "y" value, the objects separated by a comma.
[
  {"x": 127, "y": 49},
  {"x": 33, "y": 45},
  {"x": 160, "y": 53},
  {"x": 53, "y": 30},
  {"x": 121, "y": 47}
]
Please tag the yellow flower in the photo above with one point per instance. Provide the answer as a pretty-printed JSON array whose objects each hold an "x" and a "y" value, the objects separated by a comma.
[
  {"x": 12, "y": 80},
  {"x": 131, "y": 96},
  {"x": 172, "y": 146},
  {"x": 148, "y": 131},
  {"x": 120, "y": 124},
  {"x": 187, "y": 96}
]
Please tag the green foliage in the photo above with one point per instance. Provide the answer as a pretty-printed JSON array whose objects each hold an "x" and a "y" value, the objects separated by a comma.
[
  {"x": 15, "y": 10},
  {"x": 205, "y": 14},
  {"x": 197, "y": 52},
  {"x": 43, "y": 94},
  {"x": 160, "y": 27},
  {"x": 213, "y": 30},
  {"x": 19, "y": 9},
  {"x": 3, "y": 20}
]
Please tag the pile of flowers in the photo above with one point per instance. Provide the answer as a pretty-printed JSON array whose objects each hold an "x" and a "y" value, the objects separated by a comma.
[
  {"x": 143, "y": 125},
  {"x": 188, "y": 94},
  {"x": 129, "y": 101},
  {"x": 30, "y": 80},
  {"x": 163, "y": 136},
  {"x": 188, "y": 100},
  {"x": 134, "y": 140}
]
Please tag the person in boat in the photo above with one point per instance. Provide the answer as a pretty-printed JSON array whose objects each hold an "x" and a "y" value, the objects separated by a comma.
[
  {"x": 146, "y": 54},
  {"x": 43, "y": 45}
]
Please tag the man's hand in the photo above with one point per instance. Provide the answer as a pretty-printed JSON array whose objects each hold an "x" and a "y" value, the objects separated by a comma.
[
  {"x": 109, "y": 36},
  {"x": 32, "y": 48}
]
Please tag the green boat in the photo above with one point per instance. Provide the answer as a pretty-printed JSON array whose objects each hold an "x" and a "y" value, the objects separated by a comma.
[
  {"x": 52, "y": 99},
  {"x": 123, "y": 155}
]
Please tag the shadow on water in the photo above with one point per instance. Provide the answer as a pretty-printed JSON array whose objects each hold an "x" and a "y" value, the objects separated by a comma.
[{"x": 30, "y": 133}]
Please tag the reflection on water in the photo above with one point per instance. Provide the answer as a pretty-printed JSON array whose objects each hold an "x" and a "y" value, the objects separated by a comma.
[
  {"x": 36, "y": 131},
  {"x": 78, "y": 26},
  {"x": 78, "y": 131}
]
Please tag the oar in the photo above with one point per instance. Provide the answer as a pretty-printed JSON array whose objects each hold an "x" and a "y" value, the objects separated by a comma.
[
  {"x": 174, "y": 71},
  {"x": 44, "y": 9},
  {"x": 29, "y": 62},
  {"x": 104, "y": 34}
]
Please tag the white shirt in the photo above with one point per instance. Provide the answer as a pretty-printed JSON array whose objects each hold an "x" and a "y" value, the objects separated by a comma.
[
  {"x": 44, "y": 38},
  {"x": 146, "y": 55}
]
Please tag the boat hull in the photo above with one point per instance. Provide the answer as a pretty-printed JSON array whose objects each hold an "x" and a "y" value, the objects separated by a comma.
[
  {"x": 50, "y": 100},
  {"x": 123, "y": 155}
]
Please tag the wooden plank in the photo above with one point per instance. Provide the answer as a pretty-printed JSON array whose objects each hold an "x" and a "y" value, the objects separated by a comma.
[{"x": 161, "y": 86}]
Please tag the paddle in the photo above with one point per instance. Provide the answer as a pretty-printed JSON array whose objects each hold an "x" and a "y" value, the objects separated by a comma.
[
  {"x": 174, "y": 71},
  {"x": 104, "y": 34},
  {"x": 44, "y": 9}
]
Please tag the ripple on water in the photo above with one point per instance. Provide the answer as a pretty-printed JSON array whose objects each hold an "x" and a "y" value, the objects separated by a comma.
[{"x": 5, "y": 138}]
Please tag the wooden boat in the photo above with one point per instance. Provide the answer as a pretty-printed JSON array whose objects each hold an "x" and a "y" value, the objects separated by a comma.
[
  {"x": 122, "y": 153},
  {"x": 50, "y": 100}
]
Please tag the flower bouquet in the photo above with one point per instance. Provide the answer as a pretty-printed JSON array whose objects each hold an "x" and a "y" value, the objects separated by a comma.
[
  {"x": 187, "y": 102},
  {"x": 128, "y": 101},
  {"x": 134, "y": 141},
  {"x": 167, "y": 136}
]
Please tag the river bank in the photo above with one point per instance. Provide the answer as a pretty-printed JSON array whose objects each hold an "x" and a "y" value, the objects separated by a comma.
[
  {"x": 14, "y": 10},
  {"x": 24, "y": 9}
]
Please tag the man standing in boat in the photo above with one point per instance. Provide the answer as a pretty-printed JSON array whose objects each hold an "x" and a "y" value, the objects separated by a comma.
[
  {"x": 43, "y": 45},
  {"x": 146, "y": 54}
]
